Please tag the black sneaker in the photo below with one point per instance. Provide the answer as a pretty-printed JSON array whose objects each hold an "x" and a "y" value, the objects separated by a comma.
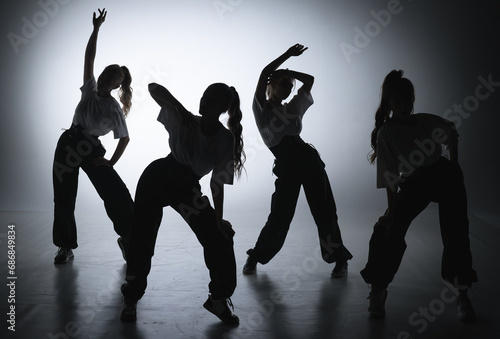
[
  {"x": 464, "y": 307},
  {"x": 377, "y": 304},
  {"x": 63, "y": 255},
  {"x": 340, "y": 269},
  {"x": 250, "y": 266},
  {"x": 221, "y": 308},
  {"x": 129, "y": 311},
  {"x": 123, "y": 246}
]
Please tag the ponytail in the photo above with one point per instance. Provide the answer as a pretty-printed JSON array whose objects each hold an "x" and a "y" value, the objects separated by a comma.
[
  {"x": 234, "y": 125},
  {"x": 125, "y": 92},
  {"x": 390, "y": 89}
]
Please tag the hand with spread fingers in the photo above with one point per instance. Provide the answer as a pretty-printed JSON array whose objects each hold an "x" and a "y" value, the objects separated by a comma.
[
  {"x": 97, "y": 21},
  {"x": 296, "y": 50}
]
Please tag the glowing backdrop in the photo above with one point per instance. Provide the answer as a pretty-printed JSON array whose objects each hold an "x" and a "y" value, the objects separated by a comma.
[{"x": 448, "y": 50}]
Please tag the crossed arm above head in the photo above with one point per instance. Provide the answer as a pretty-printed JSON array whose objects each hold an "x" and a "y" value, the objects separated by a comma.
[{"x": 260, "y": 91}]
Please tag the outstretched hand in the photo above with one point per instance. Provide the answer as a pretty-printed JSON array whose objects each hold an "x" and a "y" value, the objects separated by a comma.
[
  {"x": 97, "y": 21},
  {"x": 296, "y": 50}
]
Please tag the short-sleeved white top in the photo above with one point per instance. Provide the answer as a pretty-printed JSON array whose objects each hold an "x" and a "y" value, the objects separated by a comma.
[
  {"x": 274, "y": 122},
  {"x": 202, "y": 153},
  {"x": 98, "y": 115},
  {"x": 403, "y": 148}
]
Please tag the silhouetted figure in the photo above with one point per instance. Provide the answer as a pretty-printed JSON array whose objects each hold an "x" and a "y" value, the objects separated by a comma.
[
  {"x": 411, "y": 167},
  {"x": 97, "y": 114},
  {"x": 297, "y": 165},
  {"x": 198, "y": 144}
]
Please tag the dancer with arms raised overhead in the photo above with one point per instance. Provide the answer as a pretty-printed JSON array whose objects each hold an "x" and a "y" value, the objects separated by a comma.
[{"x": 297, "y": 164}]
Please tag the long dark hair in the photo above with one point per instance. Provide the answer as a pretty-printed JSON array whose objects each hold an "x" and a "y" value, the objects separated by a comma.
[
  {"x": 234, "y": 125},
  {"x": 393, "y": 87}
]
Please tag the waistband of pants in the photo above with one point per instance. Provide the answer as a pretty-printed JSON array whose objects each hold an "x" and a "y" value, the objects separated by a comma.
[
  {"x": 182, "y": 169},
  {"x": 79, "y": 130},
  {"x": 425, "y": 170},
  {"x": 288, "y": 147},
  {"x": 293, "y": 149}
]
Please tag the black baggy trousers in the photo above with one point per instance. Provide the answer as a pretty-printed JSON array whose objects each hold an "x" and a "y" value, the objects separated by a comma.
[
  {"x": 442, "y": 183},
  {"x": 166, "y": 182},
  {"x": 297, "y": 165},
  {"x": 76, "y": 149}
]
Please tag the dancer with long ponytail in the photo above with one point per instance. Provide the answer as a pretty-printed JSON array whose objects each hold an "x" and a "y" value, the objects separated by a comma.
[
  {"x": 410, "y": 166},
  {"x": 97, "y": 114},
  {"x": 199, "y": 145}
]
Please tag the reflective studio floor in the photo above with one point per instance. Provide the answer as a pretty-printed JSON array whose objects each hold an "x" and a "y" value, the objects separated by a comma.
[{"x": 291, "y": 297}]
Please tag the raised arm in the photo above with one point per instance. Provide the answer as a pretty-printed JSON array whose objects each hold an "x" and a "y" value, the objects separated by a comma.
[
  {"x": 260, "y": 91},
  {"x": 163, "y": 97},
  {"x": 90, "y": 51},
  {"x": 306, "y": 79}
]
